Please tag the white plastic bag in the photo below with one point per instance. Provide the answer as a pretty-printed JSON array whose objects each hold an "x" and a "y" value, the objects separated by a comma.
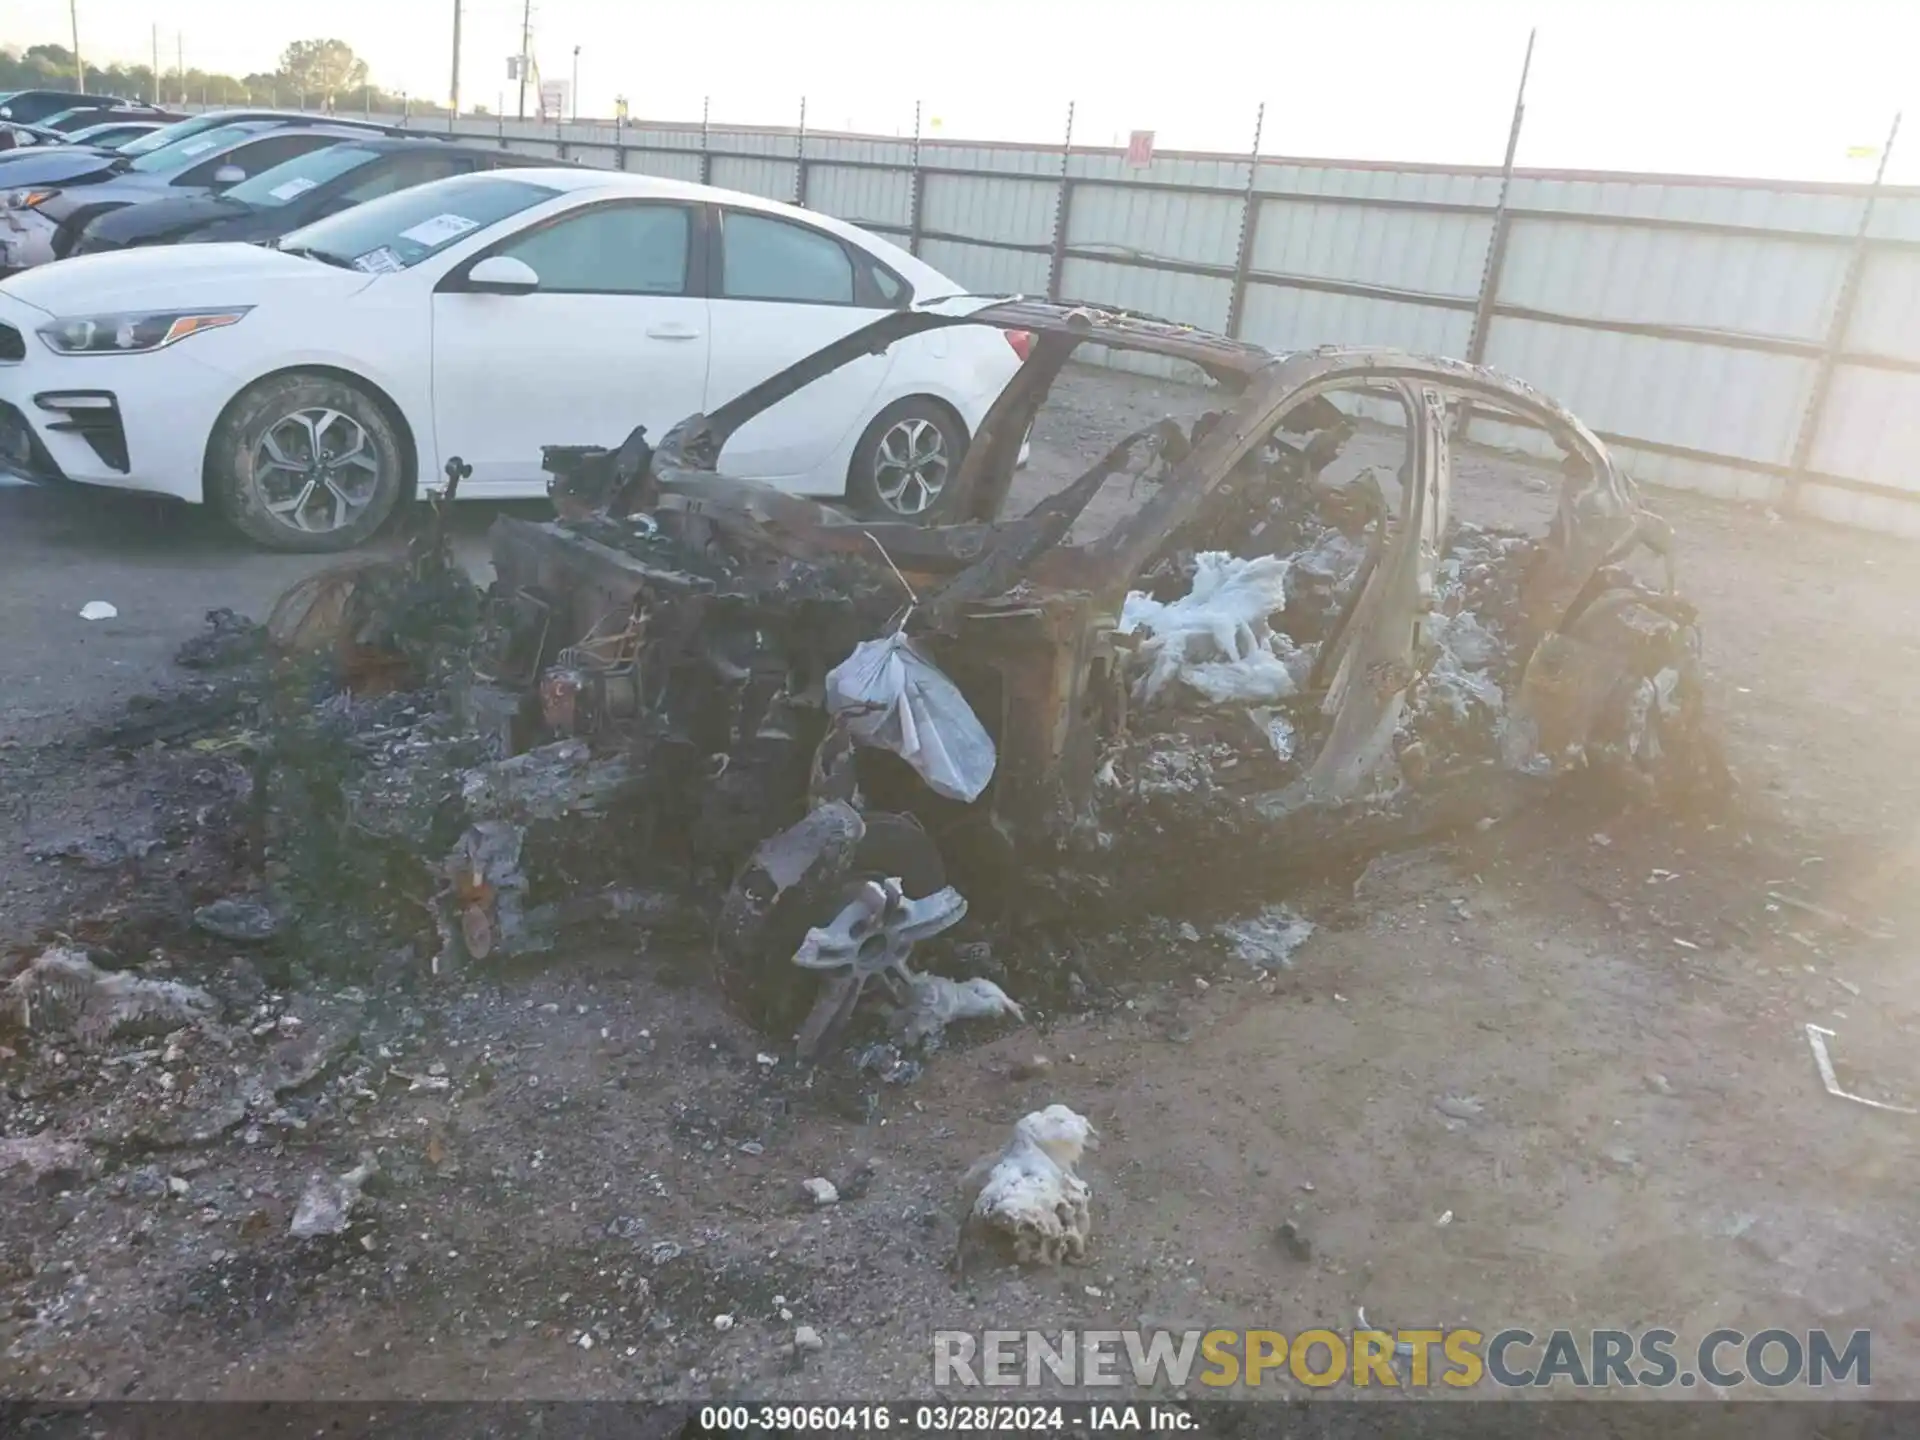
[
  {"x": 1215, "y": 639},
  {"x": 895, "y": 698}
]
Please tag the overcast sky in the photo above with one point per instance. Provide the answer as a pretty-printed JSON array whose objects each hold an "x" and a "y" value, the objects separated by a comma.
[{"x": 1780, "y": 88}]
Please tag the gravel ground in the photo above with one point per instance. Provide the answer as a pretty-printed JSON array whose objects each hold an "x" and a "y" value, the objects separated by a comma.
[{"x": 1586, "y": 1048}]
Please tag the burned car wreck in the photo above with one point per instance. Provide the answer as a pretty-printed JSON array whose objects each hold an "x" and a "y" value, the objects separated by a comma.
[{"x": 817, "y": 741}]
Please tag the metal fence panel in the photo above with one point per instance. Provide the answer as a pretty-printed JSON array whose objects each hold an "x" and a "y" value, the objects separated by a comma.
[
  {"x": 987, "y": 271},
  {"x": 667, "y": 167},
  {"x": 1886, "y": 319},
  {"x": 1285, "y": 318},
  {"x": 1871, "y": 430},
  {"x": 1436, "y": 253},
  {"x": 880, "y": 198},
  {"x": 1744, "y": 404},
  {"x": 1737, "y": 283},
  {"x": 772, "y": 179},
  {"x": 1014, "y": 212}
]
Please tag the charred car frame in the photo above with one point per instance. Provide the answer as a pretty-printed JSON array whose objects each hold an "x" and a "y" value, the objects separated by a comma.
[{"x": 687, "y": 626}]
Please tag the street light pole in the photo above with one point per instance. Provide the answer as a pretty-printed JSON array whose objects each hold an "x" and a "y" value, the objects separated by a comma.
[
  {"x": 526, "y": 43},
  {"x": 575, "y": 92},
  {"x": 79, "y": 70},
  {"x": 455, "y": 95}
]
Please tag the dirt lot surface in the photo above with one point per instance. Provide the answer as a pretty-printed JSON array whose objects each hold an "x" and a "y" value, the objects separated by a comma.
[{"x": 1554, "y": 1073}]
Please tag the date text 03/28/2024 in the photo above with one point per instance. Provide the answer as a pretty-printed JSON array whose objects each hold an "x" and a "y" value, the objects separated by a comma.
[{"x": 940, "y": 1417}]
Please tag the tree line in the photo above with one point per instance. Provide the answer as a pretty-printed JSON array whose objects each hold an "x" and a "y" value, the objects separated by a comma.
[{"x": 312, "y": 75}]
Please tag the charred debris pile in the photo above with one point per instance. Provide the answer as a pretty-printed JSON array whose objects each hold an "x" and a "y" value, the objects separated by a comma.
[{"x": 808, "y": 745}]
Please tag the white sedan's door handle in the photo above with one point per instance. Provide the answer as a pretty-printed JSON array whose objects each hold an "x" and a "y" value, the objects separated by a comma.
[{"x": 672, "y": 330}]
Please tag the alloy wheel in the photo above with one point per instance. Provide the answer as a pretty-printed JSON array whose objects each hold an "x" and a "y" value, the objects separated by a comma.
[
  {"x": 315, "y": 470},
  {"x": 911, "y": 466}
]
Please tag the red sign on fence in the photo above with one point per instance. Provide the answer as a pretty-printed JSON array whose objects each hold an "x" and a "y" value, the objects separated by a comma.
[{"x": 1140, "y": 149}]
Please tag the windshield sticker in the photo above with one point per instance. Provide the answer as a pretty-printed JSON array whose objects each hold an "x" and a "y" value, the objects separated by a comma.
[
  {"x": 439, "y": 230},
  {"x": 194, "y": 147},
  {"x": 292, "y": 188},
  {"x": 379, "y": 262}
]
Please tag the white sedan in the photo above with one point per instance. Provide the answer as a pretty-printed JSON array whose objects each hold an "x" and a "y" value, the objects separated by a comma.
[{"x": 305, "y": 389}]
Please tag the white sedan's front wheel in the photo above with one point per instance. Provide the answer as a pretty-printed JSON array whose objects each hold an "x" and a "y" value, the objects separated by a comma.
[
  {"x": 307, "y": 463},
  {"x": 906, "y": 460}
]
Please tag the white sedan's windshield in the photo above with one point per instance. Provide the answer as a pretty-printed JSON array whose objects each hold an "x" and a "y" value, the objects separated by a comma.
[
  {"x": 402, "y": 229},
  {"x": 286, "y": 182}
]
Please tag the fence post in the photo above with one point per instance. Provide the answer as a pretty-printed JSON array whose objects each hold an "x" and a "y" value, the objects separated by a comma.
[
  {"x": 1062, "y": 212},
  {"x": 1249, "y": 228},
  {"x": 1496, "y": 245},
  {"x": 1822, "y": 389},
  {"x": 800, "y": 157},
  {"x": 916, "y": 195},
  {"x": 706, "y": 153}
]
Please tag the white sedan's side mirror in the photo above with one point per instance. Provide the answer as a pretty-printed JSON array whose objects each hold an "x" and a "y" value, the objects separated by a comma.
[{"x": 503, "y": 275}]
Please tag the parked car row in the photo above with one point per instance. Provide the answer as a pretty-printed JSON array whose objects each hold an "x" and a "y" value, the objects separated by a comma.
[{"x": 301, "y": 320}]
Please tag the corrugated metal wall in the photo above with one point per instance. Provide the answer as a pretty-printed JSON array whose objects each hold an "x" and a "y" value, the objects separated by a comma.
[{"x": 1696, "y": 323}]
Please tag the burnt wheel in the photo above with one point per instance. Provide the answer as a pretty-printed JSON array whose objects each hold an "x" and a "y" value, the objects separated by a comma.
[{"x": 760, "y": 931}]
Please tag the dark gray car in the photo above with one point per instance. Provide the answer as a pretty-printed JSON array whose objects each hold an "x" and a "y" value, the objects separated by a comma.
[
  {"x": 205, "y": 164},
  {"x": 298, "y": 192}
]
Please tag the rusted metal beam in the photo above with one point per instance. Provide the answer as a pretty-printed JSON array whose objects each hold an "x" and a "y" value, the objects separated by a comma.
[
  {"x": 1062, "y": 212},
  {"x": 1822, "y": 388},
  {"x": 1249, "y": 229},
  {"x": 1497, "y": 241},
  {"x": 916, "y": 191},
  {"x": 706, "y": 150}
]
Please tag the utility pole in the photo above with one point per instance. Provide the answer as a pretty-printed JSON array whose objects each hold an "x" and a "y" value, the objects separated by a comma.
[
  {"x": 456, "y": 57},
  {"x": 574, "y": 91},
  {"x": 180, "y": 62},
  {"x": 526, "y": 44},
  {"x": 156, "y": 64},
  {"x": 79, "y": 70}
]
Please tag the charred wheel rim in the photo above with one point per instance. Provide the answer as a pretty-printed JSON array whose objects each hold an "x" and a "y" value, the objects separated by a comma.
[
  {"x": 315, "y": 470},
  {"x": 911, "y": 465}
]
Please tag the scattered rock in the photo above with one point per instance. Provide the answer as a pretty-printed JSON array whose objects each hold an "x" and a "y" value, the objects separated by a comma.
[
  {"x": 806, "y": 1340},
  {"x": 723, "y": 1322},
  {"x": 1032, "y": 1068},
  {"x": 229, "y": 639},
  {"x": 821, "y": 1191},
  {"x": 241, "y": 921},
  {"x": 1623, "y": 1159},
  {"x": 1460, "y": 1107},
  {"x": 327, "y": 1206},
  {"x": 60, "y": 992},
  {"x": 1268, "y": 940},
  {"x": 1297, "y": 1246},
  {"x": 45, "y": 1161}
]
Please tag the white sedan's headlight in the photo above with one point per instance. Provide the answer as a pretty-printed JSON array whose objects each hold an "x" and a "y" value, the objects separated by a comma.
[{"x": 133, "y": 332}]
